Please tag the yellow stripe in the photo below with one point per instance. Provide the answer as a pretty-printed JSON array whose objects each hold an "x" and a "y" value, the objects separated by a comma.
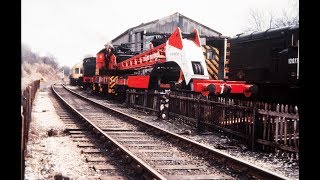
[
  {"x": 216, "y": 57},
  {"x": 215, "y": 62},
  {"x": 212, "y": 70},
  {"x": 212, "y": 74},
  {"x": 214, "y": 50},
  {"x": 226, "y": 69},
  {"x": 212, "y": 64},
  {"x": 112, "y": 83},
  {"x": 206, "y": 47},
  {"x": 209, "y": 64}
]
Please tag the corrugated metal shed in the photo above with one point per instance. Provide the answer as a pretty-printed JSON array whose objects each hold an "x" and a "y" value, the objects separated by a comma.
[{"x": 136, "y": 35}]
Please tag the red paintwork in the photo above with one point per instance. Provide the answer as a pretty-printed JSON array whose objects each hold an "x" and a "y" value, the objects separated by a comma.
[
  {"x": 237, "y": 87},
  {"x": 112, "y": 60},
  {"x": 121, "y": 81},
  {"x": 246, "y": 90},
  {"x": 141, "y": 82},
  {"x": 106, "y": 59},
  {"x": 100, "y": 62},
  {"x": 87, "y": 79},
  {"x": 96, "y": 79},
  {"x": 176, "y": 39},
  {"x": 146, "y": 59},
  {"x": 196, "y": 39},
  {"x": 165, "y": 86}
]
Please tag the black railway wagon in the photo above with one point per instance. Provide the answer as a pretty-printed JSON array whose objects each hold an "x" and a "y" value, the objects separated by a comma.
[
  {"x": 89, "y": 68},
  {"x": 270, "y": 60}
]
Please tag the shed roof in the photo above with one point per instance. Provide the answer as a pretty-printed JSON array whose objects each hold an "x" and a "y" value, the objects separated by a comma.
[{"x": 175, "y": 15}]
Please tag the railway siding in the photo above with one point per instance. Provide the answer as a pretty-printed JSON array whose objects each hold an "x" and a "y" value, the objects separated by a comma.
[{"x": 234, "y": 164}]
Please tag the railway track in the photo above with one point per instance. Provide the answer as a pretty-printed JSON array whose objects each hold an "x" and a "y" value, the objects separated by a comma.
[{"x": 152, "y": 152}]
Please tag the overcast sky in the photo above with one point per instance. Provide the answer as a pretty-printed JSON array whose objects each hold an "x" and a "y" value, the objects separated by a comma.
[{"x": 72, "y": 29}]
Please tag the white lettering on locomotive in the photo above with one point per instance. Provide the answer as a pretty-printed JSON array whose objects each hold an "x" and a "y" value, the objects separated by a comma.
[{"x": 292, "y": 60}]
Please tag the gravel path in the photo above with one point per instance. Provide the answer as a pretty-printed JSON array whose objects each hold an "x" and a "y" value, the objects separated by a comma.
[{"x": 51, "y": 155}]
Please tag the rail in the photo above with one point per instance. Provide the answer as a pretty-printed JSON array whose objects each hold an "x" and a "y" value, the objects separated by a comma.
[
  {"x": 267, "y": 127},
  {"x": 224, "y": 159}
]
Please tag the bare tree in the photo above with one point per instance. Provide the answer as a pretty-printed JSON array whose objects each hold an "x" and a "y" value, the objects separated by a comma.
[
  {"x": 27, "y": 55},
  {"x": 31, "y": 57},
  {"x": 260, "y": 20},
  {"x": 50, "y": 60},
  {"x": 286, "y": 20}
]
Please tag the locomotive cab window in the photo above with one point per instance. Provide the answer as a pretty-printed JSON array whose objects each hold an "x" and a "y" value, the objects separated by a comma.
[
  {"x": 76, "y": 70},
  {"x": 209, "y": 55}
]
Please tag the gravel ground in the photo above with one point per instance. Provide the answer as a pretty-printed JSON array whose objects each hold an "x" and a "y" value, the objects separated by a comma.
[
  {"x": 47, "y": 156},
  {"x": 50, "y": 155}
]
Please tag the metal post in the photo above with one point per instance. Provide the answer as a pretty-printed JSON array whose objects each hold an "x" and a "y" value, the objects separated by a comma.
[
  {"x": 168, "y": 97},
  {"x": 158, "y": 104},
  {"x": 198, "y": 113},
  {"x": 145, "y": 100},
  {"x": 253, "y": 124},
  {"x": 127, "y": 98}
]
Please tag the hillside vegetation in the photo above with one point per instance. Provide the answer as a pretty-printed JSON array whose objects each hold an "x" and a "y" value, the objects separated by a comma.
[{"x": 35, "y": 67}]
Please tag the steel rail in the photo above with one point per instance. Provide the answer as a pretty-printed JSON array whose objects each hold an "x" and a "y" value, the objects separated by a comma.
[
  {"x": 219, "y": 156},
  {"x": 140, "y": 163}
]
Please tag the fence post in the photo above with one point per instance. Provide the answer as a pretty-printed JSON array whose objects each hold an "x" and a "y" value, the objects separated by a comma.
[
  {"x": 255, "y": 114},
  {"x": 29, "y": 104},
  {"x": 145, "y": 100},
  {"x": 223, "y": 113},
  {"x": 22, "y": 153},
  {"x": 168, "y": 108},
  {"x": 28, "y": 96},
  {"x": 127, "y": 98},
  {"x": 158, "y": 104},
  {"x": 198, "y": 113}
]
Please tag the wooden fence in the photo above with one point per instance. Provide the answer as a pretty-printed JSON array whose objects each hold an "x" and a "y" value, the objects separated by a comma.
[
  {"x": 146, "y": 101},
  {"x": 266, "y": 127},
  {"x": 27, "y": 99}
]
